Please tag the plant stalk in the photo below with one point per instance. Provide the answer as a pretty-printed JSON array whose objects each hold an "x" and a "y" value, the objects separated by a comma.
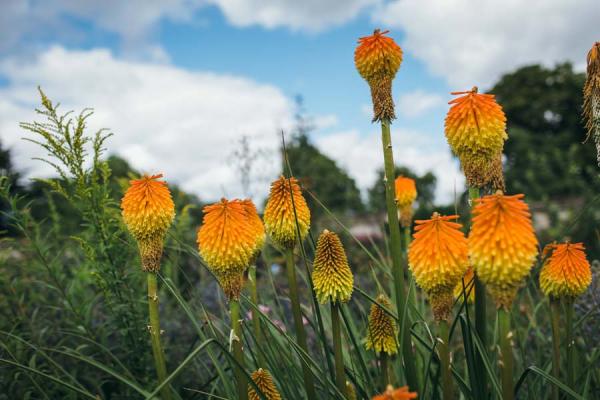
[
  {"x": 309, "y": 384},
  {"x": 385, "y": 369},
  {"x": 154, "y": 328},
  {"x": 480, "y": 308},
  {"x": 238, "y": 353},
  {"x": 340, "y": 375},
  {"x": 396, "y": 250},
  {"x": 570, "y": 343},
  {"x": 555, "y": 319},
  {"x": 444, "y": 353},
  {"x": 256, "y": 315},
  {"x": 506, "y": 355}
]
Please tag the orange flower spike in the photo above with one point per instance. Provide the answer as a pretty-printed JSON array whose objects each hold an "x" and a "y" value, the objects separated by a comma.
[
  {"x": 227, "y": 241},
  {"x": 475, "y": 128},
  {"x": 401, "y": 393},
  {"x": 377, "y": 59},
  {"x": 406, "y": 194},
  {"x": 567, "y": 272},
  {"x": 279, "y": 216},
  {"x": 255, "y": 223},
  {"x": 502, "y": 244},
  {"x": 148, "y": 211},
  {"x": 438, "y": 259}
]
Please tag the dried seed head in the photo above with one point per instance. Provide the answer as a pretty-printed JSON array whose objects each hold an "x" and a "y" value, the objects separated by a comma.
[
  {"x": 279, "y": 216},
  {"x": 591, "y": 96},
  {"x": 383, "y": 332},
  {"x": 332, "y": 277},
  {"x": 502, "y": 244}
]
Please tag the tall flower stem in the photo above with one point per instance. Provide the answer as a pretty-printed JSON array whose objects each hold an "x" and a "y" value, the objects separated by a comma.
[
  {"x": 419, "y": 359},
  {"x": 154, "y": 328},
  {"x": 506, "y": 353},
  {"x": 385, "y": 369},
  {"x": 238, "y": 354},
  {"x": 570, "y": 343},
  {"x": 555, "y": 319},
  {"x": 396, "y": 251},
  {"x": 340, "y": 375},
  {"x": 309, "y": 384},
  {"x": 480, "y": 306},
  {"x": 444, "y": 352},
  {"x": 256, "y": 314}
]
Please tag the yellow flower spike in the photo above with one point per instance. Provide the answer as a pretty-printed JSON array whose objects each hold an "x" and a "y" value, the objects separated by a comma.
[
  {"x": 227, "y": 241},
  {"x": 351, "y": 391},
  {"x": 377, "y": 59},
  {"x": 265, "y": 383},
  {"x": 332, "y": 277},
  {"x": 438, "y": 259},
  {"x": 406, "y": 194},
  {"x": 469, "y": 287},
  {"x": 279, "y": 216},
  {"x": 383, "y": 331},
  {"x": 475, "y": 128},
  {"x": 502, "y": 245},
  {"x": 401, "y": 393},
  {"x": 591, "y": 96},
  {"x": 148, "y": 211},
  {"x": 567, "y": 272},
  {"x": 256, "y": 224}
]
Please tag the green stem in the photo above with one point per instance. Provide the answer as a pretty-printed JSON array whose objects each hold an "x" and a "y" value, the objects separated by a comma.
[
  {"x": 340, "y": 375},
  {"x": 396, "y": 251},
  {"x": 444, "y": 352},
  {"x": 385, "y": 370},
  {"x": 256, "y": 315},
  {"x": 570, "y": 343},
  {"x": 419, "y": 358},
  {"x": 506, "y": 355},
  {"x": 309, "y": 384},
  {"x": 154, "y": 328},
  {"x": 480, "y": 309},
  {"x": 555, "y": 319},
  {"x": 238, "y": 353}
]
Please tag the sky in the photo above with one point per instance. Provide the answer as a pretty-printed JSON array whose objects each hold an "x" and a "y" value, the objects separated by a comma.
[{"x": 180, "y": 82}]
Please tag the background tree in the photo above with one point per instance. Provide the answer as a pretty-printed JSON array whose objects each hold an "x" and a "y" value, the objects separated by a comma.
[
  {"x": 545, "y": 156},
  {"x": 319, "y": 173}
]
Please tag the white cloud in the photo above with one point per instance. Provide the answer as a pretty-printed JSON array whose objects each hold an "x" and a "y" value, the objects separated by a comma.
[
  {"x": 311, "y": 15},
  {"x": 361, "y": 156},
  {"x": 474, "y": 42},
  {"x": 165, "y": 119},
  {"x": 417, "y": 102}
]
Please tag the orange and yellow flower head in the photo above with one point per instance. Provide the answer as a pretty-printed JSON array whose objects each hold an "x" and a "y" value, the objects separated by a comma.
[
  {"x": 332, "y": 277},
  {"x": 401, "y": 393},
  {"x": 467, "y": 287},
  {"x": 256, "y": 224},
  {"x": 280, "y": 216},
  {"x": 383, "y": 331},
  {"x": 406, "y": 194},
  {"x": 502, "y": 244},
  {"x": 475, "y": 128},
  {"x": 148, "y": 212},
  {"x": 567, "y": 272},
  {"x": 591, "y": 96},
  {"x": 438, "y": 259},
  {"x": 227, "y": 241},
  {"x": 377, "y": 59},
  {"x": 265, "y": 383}
]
